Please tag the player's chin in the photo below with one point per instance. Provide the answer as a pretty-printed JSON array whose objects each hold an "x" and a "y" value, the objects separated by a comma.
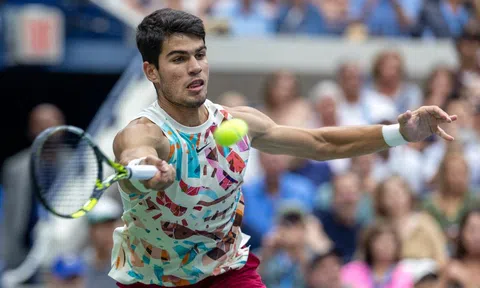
[{"x": 196, "y": 101}]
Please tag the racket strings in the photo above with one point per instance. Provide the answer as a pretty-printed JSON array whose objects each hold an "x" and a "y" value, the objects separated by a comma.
[{"x": 66, "y": 171}]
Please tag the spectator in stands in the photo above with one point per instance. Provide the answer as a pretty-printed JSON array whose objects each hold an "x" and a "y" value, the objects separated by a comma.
[
  {"x": 324, "y": 270},
  {"x": 339, "y": 220},
  {"x": 466, "y": 139},
  {"x": 379, "y": 265},
  {"x": 439, "y": 86},
  {"x": 419, "y": 233},
  {"x": 363, "y": 167},
  {"x": 19, "y": 201},
  {"x": 299, "y": 17},
  {"x": 452, "y": 198},
  {"x": 464, "y": 269},
  {"x": 283, "y": 101},
  {"x": 390, "y": 93},
  {"x": 265, "y": 194},
  {"x": 102, "y": 220},
  {"x": 443, "y": 19},
  {"x": 245, "y": 17},
  {"x": 335, "y": 15},
  {"x": 387, "y": 18},
  {"x": 286, "y": 251},
  {"x": 67, "y": 271},
  {"x": 351, "y": 81},
  {"x": 467, "y": 46}
]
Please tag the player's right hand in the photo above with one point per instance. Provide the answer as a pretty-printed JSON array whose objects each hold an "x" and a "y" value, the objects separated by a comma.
[{"x": 165, "y": 176}]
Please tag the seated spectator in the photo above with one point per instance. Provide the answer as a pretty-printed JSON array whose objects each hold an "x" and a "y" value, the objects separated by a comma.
[
  {"x": 67, "y": 271},
  {"x": 335, "y": 14},
  {"x": 379, "y": 265},
  {"x": 443, "y": 19},
  {"x": 452, "y": 198},
  {"x": 390, "y": 93},
  {"x": 464, "y": 269},
  {"x": 467, "y": 45},
  {"x": 245, "y": 17},
  {"x": 419, "y": 233},
  {"x": 386, "y": 17},
  {"x": 299, "y": 17},
  {"x": 264, "y": 195},
  {"x": 285, "y": 258},
  {"x": 102, "y": 220},
  {"x": 283, "y": 101},
  {"x": 324, "y": 270},
  {"x": 351, "y": 111},
  {"x": 439, "y": 86},
  {"x": 339, "y": 220}
]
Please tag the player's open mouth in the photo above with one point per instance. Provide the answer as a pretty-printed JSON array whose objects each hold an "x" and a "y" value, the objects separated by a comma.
[{"x": 196, "y": 85}]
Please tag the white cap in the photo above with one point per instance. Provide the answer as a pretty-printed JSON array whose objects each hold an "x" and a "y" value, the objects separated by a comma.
[{"x": 106, "y": 209}]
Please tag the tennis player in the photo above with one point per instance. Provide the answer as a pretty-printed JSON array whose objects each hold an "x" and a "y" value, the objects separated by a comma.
[{"x": 182, "y": 227}]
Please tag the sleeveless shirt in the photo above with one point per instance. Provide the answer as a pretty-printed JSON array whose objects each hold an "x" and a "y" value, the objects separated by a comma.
[{"x": 191, "y": 230}]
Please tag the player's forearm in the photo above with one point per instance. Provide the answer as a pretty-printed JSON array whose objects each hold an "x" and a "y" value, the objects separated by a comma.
[{"x": 347, "y": 142}]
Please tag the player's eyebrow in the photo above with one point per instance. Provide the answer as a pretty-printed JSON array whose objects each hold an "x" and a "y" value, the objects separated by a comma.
[{"x": 184, "y": 52}]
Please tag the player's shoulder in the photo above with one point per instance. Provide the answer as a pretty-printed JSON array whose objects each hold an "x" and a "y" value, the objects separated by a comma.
[{"x": 141, "y": 126}]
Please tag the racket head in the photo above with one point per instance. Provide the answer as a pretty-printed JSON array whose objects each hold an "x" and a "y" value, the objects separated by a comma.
[{"x": 67, "y": 171}]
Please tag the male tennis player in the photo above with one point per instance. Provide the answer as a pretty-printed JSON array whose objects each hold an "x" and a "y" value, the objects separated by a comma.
[{"x": 182, "y": 227}]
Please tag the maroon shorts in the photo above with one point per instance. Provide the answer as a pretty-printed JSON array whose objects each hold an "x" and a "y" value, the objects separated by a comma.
[{"x": 247, "y": 276}]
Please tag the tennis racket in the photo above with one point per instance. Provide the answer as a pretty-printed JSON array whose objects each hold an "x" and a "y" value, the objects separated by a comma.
[{"x": 67, "y": 171}]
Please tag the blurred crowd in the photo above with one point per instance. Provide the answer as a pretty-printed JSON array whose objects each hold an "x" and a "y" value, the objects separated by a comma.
[
  {"x": 404, "y": 217},
  {"x": 355, "y": 19}
]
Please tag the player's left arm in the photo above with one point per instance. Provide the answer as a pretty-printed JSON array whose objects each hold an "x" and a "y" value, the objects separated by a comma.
[{"x": 341, "y": 141}]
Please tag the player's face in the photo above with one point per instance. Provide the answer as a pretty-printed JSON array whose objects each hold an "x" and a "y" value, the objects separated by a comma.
[{"x": 183, "y": 71}]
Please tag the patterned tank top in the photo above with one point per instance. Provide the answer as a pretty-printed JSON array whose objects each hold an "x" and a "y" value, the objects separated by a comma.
[{"x": 191, "y": 230}]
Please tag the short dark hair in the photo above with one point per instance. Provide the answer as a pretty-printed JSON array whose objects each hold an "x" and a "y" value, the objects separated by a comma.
[{"x": 161, "y": 24}]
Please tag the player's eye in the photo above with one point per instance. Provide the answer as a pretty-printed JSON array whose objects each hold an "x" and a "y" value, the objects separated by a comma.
[
  {"x": 178, "y": 60},
  {"x": 200, "y": 56}
]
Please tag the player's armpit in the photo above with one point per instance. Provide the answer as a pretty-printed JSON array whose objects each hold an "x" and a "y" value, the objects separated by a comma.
[{"x": 139, "y": 139}]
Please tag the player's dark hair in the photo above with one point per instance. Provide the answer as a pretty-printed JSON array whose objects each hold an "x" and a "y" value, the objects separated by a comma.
[{"x": 161, "y": 24}]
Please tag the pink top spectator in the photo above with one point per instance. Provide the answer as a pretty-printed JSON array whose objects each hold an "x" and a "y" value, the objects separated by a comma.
[{"x": 357, "y": 274}]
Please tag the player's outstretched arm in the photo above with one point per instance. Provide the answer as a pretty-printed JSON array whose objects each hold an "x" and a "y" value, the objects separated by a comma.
[
  {"x": 341, "y": 142},
  {"x": 143, "y": 143}
]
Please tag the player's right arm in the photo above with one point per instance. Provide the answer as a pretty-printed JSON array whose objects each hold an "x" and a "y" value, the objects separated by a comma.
[{"x": 141, "y": 139}]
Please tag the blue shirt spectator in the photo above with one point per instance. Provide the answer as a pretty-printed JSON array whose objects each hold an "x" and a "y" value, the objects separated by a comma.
[
  {"x": 344, "y": 236},
  {"x": 246, "y": 18},
  {"x": 441, "y": 20},
  {"x": 383, "y": 17},
  {"x": 303, "y": 19},
  {"x": 261, "y": 205}
]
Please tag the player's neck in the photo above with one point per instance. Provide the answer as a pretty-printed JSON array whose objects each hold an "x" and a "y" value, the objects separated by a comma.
[{"x": 190, "y": 117}]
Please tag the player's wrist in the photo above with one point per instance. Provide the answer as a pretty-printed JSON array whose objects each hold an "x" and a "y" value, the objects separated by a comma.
[{"x": 392, "y": 136}]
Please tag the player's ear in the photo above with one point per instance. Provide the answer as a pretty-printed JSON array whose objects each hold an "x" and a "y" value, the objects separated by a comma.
[{"x": 151, "y": 72}]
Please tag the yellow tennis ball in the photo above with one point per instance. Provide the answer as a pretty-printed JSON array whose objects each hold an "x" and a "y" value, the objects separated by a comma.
[{"x": 230, "y": 132}]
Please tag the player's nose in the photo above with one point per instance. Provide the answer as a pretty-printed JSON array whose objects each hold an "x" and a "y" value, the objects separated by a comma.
[{"x": 194, "y": 67}]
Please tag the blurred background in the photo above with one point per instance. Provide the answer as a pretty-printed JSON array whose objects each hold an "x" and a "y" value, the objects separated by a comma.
[{"x": 405, "y": 217}]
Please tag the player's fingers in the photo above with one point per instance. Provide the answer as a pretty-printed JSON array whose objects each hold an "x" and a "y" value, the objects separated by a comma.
[
  {"x": 403, "y": 118},
  {"x": 438, "y": 113},
  {"x": 440, "y": 132}
]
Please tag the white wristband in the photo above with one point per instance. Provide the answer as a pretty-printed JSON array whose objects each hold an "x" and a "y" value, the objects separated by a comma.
[
  {"x": 392, "y": 135},
  {"x": 136, "y": 161}
]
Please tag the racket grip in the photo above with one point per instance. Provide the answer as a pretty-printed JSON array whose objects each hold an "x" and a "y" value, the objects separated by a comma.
[{"x": 142, "y": 172}]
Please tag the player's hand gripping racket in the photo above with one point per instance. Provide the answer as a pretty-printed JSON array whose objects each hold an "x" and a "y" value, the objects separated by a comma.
[{"x": 67, "y": 171}]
